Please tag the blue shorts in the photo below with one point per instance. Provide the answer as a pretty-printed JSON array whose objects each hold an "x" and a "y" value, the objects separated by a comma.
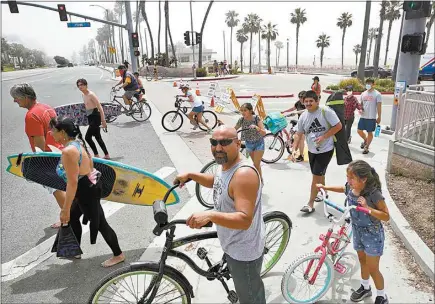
[
  {"x": 252, "y": 146},
  {"x": 368, "y": 125},
  {"x": 369, "y": 239},
  {"x": 198, "y": 109}
]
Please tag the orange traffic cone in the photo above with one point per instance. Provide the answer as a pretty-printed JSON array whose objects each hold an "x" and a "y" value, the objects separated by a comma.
[
  {"x": 198, "y": 93},
  {"x": 212, "y": 102}
]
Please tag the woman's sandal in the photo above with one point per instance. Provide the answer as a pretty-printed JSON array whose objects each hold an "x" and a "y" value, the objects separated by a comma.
[{"x": 308, "y": 209}]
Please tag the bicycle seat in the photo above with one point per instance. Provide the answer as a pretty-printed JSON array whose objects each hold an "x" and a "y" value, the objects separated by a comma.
[{"x": 294, "y": 122}]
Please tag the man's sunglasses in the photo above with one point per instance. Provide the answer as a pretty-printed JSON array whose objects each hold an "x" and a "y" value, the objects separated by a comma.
[{"x": 223, "y": 142}]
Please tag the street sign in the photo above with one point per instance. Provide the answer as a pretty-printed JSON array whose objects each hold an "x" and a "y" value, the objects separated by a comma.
[{"x": 79, "y": 24}]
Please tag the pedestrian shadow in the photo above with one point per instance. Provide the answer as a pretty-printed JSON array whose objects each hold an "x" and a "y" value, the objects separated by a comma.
[
  {"x": 128, "y": 124},
  {"x": 49, "y": 232},
  {"x": 117, "y": 158},
  {"x": 193, "y": 135},
  {"x": 75, "y": 280}
]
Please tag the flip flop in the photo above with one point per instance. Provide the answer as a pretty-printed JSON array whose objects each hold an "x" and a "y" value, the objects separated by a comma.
[
  {"x": 308, "y": 209},
  {"x": 319, "y": 199}
]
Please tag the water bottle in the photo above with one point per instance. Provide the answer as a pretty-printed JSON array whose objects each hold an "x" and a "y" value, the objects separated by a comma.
[
  {"x": 377, "y": 131},
  {"x": 313, "y": 138}
]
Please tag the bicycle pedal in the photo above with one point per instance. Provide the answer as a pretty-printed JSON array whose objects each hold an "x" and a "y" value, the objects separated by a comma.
[
  {"x": 232, "y": 296},
  {"x": 341, "y": 269},
  {"x": 202, "y": 253}
]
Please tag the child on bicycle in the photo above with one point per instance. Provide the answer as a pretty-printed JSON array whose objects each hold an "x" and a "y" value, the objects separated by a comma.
[
  {"x": 364, "y": 188},
  {"x": 299, "y": 107},
  {"x": 197, "y": 107},
  {"x": 139, "y": 81}
]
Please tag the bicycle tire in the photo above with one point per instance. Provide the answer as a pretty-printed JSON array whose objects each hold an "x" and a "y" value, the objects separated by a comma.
[
  {"x": 176, "y": 115},
  {"x": 287, "y": 278},
  {"x": 213, "y": 124},
  {"x": 285, "y": 221},
  {"x": 141, "y": 106},
  {"x": 153, "y": 268},
  {"x": 199, "y": 196},
  {"x": 281, "y": 149}
]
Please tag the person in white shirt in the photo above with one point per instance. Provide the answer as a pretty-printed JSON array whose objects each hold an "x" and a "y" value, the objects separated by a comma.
[{"x": 197, "y": 107}]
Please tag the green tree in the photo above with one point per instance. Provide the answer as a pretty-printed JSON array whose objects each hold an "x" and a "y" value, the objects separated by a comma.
[
  {"x": 241, "y": 38},
  {"x": 371, "y": 36},
  {"x": 392, "y": 13},
  {"x": 343, "y": 22},
  {"x": 298, "y": 17},
  {"x": 356, "y": 50},
  {"x": 279, "y": 45},
  {"x": 5, "y": 51},
  {"x": 145, "y": 17},
  {"x": 202, "y": 33},
  {"x": 17, "y": 51},
  {"x": 232, "y": 21},
  {"x": 269, "y": 32},
  {"x": 251, "y": 26},
  {"x": 362, "y": 58},
  {"x": 322, "y": 42}
]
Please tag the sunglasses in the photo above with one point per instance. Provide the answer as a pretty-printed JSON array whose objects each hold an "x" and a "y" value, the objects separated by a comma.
[{"x": 223, "y": 142}]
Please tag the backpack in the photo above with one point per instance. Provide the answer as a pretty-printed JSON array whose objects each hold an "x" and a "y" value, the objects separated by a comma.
[{"x": 275, "y": 122}]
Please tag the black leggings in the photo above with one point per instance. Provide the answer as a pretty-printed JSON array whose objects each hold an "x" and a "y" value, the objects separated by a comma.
[
  {"x": 94, "y": 131},
  {"x": 87, "y": 203},
  {"x": 348, "y": 125}
]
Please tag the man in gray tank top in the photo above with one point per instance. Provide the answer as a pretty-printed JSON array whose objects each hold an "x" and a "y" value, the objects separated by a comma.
[{"x": 237, "y": 214}]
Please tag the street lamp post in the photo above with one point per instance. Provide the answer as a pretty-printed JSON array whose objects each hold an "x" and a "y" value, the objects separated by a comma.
[{"x": 287, "y": 52}]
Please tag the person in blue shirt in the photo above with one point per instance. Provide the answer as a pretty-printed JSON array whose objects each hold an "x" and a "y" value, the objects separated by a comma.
[{"x": 363, "y": 188}]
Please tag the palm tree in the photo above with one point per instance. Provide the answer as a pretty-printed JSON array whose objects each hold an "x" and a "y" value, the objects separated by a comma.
[
  {"x": 251, "y": 25},
  {"x": 371, "y": 36},
  {"x": 362, "y": 58},
  {"x": 202, "y": 33},
  {"x": 259, "y": 44},
  {"x": 160, "y": 25},
  {"x": 5, "y": 49},
  {"x": 356, "y": 50},
  {"x": 119, "y": 11},
  {"x": 379, "y": 38},
  {"x": 144, "y": 15},
  {"x": 322, "y": 42},
  {"x": 279, "y": 45},
  {"x": 170, "y": 35},
  {"x": 242, "y": 38},
  {"x": 269, "y": 32},
  {"x": 231, "y": 20},
  {"x": 298, "y": 18},
  {"x": 392, "y": 13},
  {"x": 430, "y": 23},
  {"x": 343, "y": 22}
]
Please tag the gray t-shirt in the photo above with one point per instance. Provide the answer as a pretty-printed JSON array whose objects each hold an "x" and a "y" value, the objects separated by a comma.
[
  {"x": 241, "y": 245},
  {"x": 315, "y": 124},
  {"x": 369, "y": 102}
]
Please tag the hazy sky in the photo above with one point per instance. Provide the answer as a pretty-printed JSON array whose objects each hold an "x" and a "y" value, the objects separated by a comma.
[{"x": 38, "y": 28}]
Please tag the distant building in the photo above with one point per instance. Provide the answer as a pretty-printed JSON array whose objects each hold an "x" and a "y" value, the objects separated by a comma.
[{"x": 185, "y": 55}]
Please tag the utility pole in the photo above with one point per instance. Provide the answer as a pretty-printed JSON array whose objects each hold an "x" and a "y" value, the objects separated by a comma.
[
  {"x": 399, "y": 43},
  {"x": 134, "y": 65},
  {"x": 191, "y": 28},
  {"x": 287, "y": 52},
  {"x": 409, "y": 64}
]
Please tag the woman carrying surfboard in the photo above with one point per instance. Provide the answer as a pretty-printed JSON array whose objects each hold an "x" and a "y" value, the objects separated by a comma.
[
  {"x": 96, "y": 118},
  {"x": 83, "y": 190}
]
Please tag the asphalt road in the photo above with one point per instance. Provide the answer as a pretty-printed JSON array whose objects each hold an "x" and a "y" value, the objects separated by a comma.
[{"x": 28, "y": 210}]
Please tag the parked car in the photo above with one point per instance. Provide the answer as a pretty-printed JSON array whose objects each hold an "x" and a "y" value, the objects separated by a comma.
[{"x": 368, "y": 72}]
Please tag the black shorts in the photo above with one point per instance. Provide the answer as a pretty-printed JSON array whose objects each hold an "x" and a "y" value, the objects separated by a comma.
[{"x": 319, "y": 162}]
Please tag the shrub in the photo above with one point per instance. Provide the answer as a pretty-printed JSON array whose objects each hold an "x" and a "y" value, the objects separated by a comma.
[
  {"x": 354, "y": 82},
  {"x": 333, "y": 87},
  {"x": 201, "y": 72},
  {"x": 386, "y": 83}
]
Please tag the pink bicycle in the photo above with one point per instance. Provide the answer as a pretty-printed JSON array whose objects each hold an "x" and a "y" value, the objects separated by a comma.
[{"x": 310, "y": 276}]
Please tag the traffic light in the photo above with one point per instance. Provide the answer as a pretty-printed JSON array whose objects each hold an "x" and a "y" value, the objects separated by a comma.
[
  {"x": 413, "y": 43},
  {"x": 198, "y": 38},
  {"x": 416, "y": 9},
  {"x": 13, "y": 7},
  {"x": 187, "y": 38},
  {"x": 136, "y": 53},
  {"x": 62, "y": 12},
  {"x": 135, "y": 39}
]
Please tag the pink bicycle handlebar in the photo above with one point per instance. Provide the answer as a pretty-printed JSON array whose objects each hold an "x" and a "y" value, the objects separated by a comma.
[{"x": 362, "y": 209}]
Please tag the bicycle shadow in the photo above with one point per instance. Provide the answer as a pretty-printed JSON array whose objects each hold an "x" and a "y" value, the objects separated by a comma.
[{"x": 128, "y": 124}]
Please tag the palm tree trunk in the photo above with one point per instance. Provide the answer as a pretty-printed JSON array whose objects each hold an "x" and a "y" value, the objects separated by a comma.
[
  {"x": 250, "y": 55},
  {"x": 297, "y": 43},
  {"x": 356, "y": 59},
  {"x": 114, "y": 43},
  {"x": 370, "y": 51},
  {"x": 170, "y": 39},
  {"x": 276, "y": 57},
  {"x": 160, "y": 24},
  {"x": 141, "y": 41},
  {"x": 390, "y": 24},
  {"x": 166, "y": 33},
  {"x": 259, "y": 51},
  {"x": 241, "y": 57},
  {"x": 362, "y": 58},
  {"x": 379, "y": 41},
  {"x": 342, "y": 48},
  {"x": 231, "y": 46},
  {"x": 144, "y": 15},
  {"x": 279, "y": 55},
  {"x": 121, "y": 37},
  {"x": 321, "y": 57},
  {"x": 202, "y": 32}
]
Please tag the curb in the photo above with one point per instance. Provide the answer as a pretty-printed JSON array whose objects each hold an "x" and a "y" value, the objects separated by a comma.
[
  {"x": 356, "y": 93},
  {"x": 268, "y": 96},
  {"x": 211, "y": 79},
  {"x": 413, "y": 243}
]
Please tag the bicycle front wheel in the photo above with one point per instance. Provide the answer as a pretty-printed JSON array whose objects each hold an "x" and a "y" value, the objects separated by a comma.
[
  {"x": 273, "y": 148},
  {"x": 295, "y": 286},
  {"x": 126, "y": 285},
  {"x": 172, "y": 121},
  {"x": 210, "y": 120},
  {"x": 203, "y": 194},
  {"x": 278, "y": 228},
  {"x": 140, "y": 111}
]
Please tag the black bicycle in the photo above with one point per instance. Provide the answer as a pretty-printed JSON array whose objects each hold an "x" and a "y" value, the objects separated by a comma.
[
  {"x": 139, "y": 110},
  {"x": 173, "y": 120},
  {"x": 157, "y": 282}
]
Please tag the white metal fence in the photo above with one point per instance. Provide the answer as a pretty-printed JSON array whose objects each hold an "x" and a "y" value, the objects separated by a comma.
[{"x": 416, "y": 123}]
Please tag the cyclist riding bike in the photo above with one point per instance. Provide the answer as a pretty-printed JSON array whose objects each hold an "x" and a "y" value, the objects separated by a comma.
[
  {"x": 139, "y": 82},
  {"x": 197, "y": 107},
  {"x": 129, "y": 84}
]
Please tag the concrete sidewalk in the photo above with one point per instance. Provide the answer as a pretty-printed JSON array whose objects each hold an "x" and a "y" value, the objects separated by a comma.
[{"x": 287, "y": 189}]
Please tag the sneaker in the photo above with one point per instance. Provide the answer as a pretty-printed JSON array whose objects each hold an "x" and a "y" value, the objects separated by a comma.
[
  {"x": 195, "y": 127},
  {"x": 363, "y": 144},
  {"x": 381, "y": 300},
  {"x": 360, "y": 294},
  {"x": 366, "y": 150},
  {"x": 106, "y": 156},
  {"x": 300, "y": 158}
]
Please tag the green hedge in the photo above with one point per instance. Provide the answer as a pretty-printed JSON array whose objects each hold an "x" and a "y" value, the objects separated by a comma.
[
  {"x": 201, "y": 72},
  {"x": 382, "y": 85}
]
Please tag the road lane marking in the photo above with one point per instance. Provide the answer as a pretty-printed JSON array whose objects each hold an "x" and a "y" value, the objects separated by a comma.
[
  {"x": 35, "y": 256},
  {"x": 68, "y": 79},
  {"x": 39, "y": 79}
]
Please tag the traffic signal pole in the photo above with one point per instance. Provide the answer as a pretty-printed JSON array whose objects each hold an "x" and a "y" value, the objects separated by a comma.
[
  {"x": 409, "y": 64},
  {"x": 134, "y": 65}
]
